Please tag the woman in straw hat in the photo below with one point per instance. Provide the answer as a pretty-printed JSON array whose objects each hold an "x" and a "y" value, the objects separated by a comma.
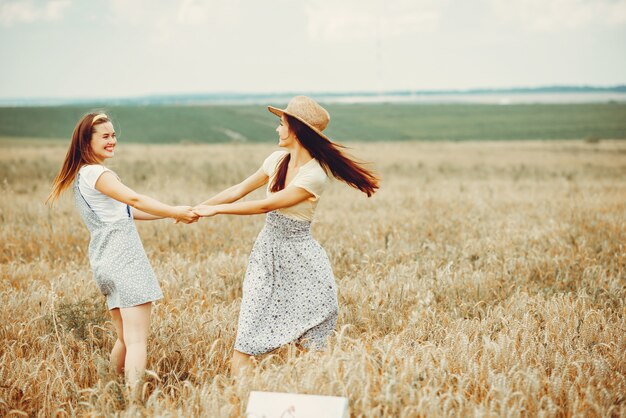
[
  {"x": 120, "y": 266},
  {"x": 289, "y": 292}
]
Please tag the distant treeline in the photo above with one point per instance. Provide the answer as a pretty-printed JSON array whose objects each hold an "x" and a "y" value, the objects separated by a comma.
[
  {"x": 345, "y": 96},
  {"x": 354, "y": 122}
]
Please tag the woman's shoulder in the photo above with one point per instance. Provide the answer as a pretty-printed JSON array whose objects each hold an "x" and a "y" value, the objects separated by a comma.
[
  {"x": 92, "y": 168},
  {"x": 270, "y": 163},
  {"x": 89, "y": 173},
  {"x": 276, "y": 155}
]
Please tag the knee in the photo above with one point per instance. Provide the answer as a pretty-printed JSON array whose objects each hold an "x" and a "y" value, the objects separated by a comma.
[{"x": 131, "y": 339}]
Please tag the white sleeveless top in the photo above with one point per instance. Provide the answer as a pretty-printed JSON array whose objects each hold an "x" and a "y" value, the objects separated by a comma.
[
  {"x": 311, "y": 177},
  {"x": 107, "y": 208}
]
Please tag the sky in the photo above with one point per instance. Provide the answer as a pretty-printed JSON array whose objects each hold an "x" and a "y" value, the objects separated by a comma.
[{"x": 130, "y": 48}]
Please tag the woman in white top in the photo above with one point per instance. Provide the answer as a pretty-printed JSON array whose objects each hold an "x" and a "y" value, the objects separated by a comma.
[
  {"x": 118, "y": 260},
  {"x": 289, "y": 292}
]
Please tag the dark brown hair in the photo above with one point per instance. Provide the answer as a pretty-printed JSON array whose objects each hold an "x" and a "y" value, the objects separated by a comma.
[
  {"x": 78, "y": 155},
  {"x": 331, "y": 159}
]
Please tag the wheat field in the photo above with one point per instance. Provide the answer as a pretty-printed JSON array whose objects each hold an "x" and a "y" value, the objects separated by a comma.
[{"x": 484, "y": 279}]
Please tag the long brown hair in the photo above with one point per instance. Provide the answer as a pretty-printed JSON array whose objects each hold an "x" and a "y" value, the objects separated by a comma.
[
  {"x": 78, "y": 155},
  {"x": 330, "y": 157}
]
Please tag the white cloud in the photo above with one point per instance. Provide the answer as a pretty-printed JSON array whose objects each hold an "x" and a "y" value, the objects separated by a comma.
[
  {"x": 554, "y": 15},
  {"x": 195, "y": 11},
  {"x": 139, "y": 11},
  {"x": 153, "y": 20},
  {"x": 167, "y": 21},
  {"x": 29, "y": 11},
  {"x": 184, "y": 12},
  {"x": 350, "y": 20}
]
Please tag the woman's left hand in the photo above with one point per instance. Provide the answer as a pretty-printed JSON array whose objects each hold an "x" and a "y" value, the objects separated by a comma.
[{"x": 205, "y": 210}]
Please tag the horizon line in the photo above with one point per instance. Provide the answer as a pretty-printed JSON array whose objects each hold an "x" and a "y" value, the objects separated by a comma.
[{"x": 239, "y": 95}]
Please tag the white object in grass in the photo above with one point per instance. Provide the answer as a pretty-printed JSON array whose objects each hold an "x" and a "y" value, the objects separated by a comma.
[{"x": 293, "y": 405}]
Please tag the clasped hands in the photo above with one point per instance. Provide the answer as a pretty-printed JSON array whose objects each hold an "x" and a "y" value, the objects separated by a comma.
[{"x": 189, "y": 215}]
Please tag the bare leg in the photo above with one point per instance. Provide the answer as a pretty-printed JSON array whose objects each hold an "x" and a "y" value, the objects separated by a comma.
[
  {"x": 240, "y": 362},
  {"x": 136, "y": 322},
  {"x": 118, "y": 354}
]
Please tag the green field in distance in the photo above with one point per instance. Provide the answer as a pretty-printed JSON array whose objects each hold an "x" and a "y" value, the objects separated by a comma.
[{"x": 349, "y": 122}]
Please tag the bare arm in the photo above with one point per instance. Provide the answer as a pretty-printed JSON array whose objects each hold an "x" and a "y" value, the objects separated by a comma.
[
  {"x": 285, "y": 198},
  {"x": 140, "y": 215},
  {"x": 111, "y": 186},
  {"x": 236, "y": 192}
]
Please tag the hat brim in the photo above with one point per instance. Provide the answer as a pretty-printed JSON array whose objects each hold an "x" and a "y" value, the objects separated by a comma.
[{"x": 280, "y": 112}]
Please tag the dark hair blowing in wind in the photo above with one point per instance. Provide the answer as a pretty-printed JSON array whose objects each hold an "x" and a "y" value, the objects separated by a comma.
[{"x": 331, "y": 159}]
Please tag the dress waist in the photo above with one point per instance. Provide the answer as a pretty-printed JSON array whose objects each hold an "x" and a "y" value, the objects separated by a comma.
[{"x": 286, "y": 228}]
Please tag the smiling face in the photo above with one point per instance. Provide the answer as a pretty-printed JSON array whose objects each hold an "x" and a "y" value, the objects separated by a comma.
[
  {"x": 103, "y": 141},
  {"x": 286, "y": 137}
]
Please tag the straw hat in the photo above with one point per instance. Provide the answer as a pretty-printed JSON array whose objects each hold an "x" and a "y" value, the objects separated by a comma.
[{"x": 307, "y": 111}]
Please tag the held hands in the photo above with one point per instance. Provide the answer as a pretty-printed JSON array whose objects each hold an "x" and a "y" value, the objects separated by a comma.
[
  {"x": 185, "y": 214},
  {"x": 188, "y": 215}
]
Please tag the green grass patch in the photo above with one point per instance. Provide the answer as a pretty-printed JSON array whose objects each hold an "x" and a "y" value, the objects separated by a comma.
[{"x": 354, "y": 122}]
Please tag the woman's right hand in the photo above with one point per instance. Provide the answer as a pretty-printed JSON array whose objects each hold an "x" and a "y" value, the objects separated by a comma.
[{"x": 185, "y": 214}]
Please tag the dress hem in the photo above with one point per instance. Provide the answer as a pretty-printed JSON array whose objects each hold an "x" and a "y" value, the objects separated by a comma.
[
  {"x": 290, "y": 339},
  {"x": 134, "y": 304}
]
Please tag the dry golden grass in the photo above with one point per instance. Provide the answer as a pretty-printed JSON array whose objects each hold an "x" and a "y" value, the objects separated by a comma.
[{"x": 484, "y": 279}]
